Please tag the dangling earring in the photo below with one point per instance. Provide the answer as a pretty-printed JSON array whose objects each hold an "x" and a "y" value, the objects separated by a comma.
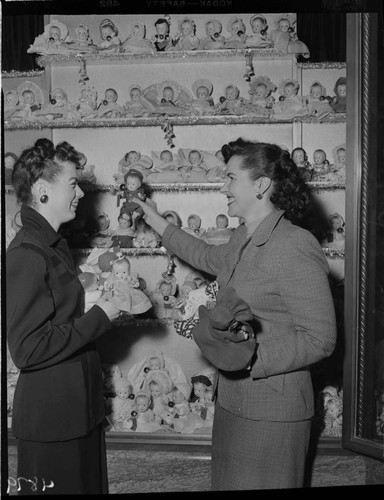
[
  {"x": 259, "y": 196},
  {"x": 44, "y": 198}
]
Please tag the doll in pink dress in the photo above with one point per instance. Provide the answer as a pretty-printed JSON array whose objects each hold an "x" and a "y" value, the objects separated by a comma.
[
  {"x": 52, "y": 41},
  {"x": 290, "y": 104},
  {"x": 138, "y": 105},
  {"x": 238, "y": 36},
  {"x": 214, "y": 39},
  {"x": 186, "y": 38},
  {"x": 110, "y": 41},
  {"x": 137, "y": 43},
  {"x": 260, "y": 38},
  {"x": 122, "y": 288},
  {"x": 316, "y": 101}
]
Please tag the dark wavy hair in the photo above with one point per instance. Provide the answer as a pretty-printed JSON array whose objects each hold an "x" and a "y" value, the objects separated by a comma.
[
  {"x": 291, "y": 193},
  {"x": 41, "y": 161}
]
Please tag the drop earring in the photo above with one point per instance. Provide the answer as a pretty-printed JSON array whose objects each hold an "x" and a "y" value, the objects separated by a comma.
[
  {"x": 259, "y": 196},
  {"x": 44, "y": 198}
]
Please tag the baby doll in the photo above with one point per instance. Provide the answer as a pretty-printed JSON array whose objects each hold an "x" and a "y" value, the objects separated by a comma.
[
  {"x": 168, "y": 97},
  {"x": 122, "y": 405},
  {"x": 238, "y": 37},
  {"x": 186, "y": 39},
  {"x": 11, "y": 104},
  {"x": 87, "y": 102},
  {"x": 192, "y": 295},
  {"x": 180, "y": 418},
  {"x": 300, "y": 158},
  {"x": 159, "y": 397},
  {"x": 200, "y": 382},
  {"x": 9, "y": 162},
  {"x": 163, "y": 300},
  {"x": 162, "y": 40},
  {"x": 142, "y": 417},
  {"x": 92, "y": 293},
  {"x": 193, "y": 167},
  {"x": 30, "y": 100},
  {"x": 59, "y": 107},
  {"x": 336, "y": 238},
  {"x": 219, "y": 234},
  {"x": 136, "y": 43},
  {"x": 194, "y": 226},
  {"x": 122, "y": 288},
  {"x": 214, "y": 39},
  {"x": 52, "y": 41},
  {"x": 290, "y": 104},
  {"x": 166, "y": 167},
  {"x": 133, "y": 160},
  {"x": 317, "y": 104},
  {"x": 231, "y": 103},
  {"x": 260, "y": 37},
  {"x": 339, "y": 102},
  {"x": 132, "y": 188},
  {"x": 320, "y": 166},
  {"x": 261, "y": 100},
  {"x": 146, "y": 236},
  {"x": 138, "y": 105},
  {"x": 109, "y": 108},
  {"x": 110, "y": 42},
  {"x": 203, "y": 104},
  {"x": 83, "y": 43},
  {"x": 102, "y": 238},
  {"x": 124, "y": 234},
  {"x": 285, "y": 38},
  {"x": 338, "y": 168}
]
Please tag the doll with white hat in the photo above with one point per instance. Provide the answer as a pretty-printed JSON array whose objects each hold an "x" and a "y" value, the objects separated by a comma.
[
  {"x": 260, "y": 37},
  {"x": 214, "y": 39},
  {"x": 137, "y": 43},
  {"x": 203, "y": 102},
  {"x": 138, "y": 105},
  {"x": 52, "y": 41}
]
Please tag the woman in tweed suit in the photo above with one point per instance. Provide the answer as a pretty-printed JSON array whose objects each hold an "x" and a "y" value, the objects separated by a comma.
[
  {"x": 264, "y": 396},
  {"x": 58, "y": 405}
]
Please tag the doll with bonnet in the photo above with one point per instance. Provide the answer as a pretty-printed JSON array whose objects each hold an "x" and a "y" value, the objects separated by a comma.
[
  {"x": 186, "y": 38},
  {"x": 168, "y": 97},
  {"x": 133, "y": 160},
  {"x": 52, "y": 41},
  {"x": 260, "y": 38},
  {"x": 290, "y": 104},
  {"x": 316, "y": 101},
  {"x": 194, "y": 226},
  {"x": 137, "y": 43},
  {"x": 261, "y": 100},
  {"x": 30, "y": 100},
  {"x": 59, "y": 108},
  {"x": 159, "y": 384},
  {"x": 238, "y": 37},
  {"x": 214, "y": 39},
  {"x": 285, "y": 38},
  {"x": 138, "y": 105},
  {"x": 110, "y": 42},
  {"x": 203, "y": 102}
]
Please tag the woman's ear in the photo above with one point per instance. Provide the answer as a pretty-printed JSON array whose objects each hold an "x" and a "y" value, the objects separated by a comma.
[{"x": 263, "y": 184}]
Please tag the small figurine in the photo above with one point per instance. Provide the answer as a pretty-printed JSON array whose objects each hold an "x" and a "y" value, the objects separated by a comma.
[
  {"x": 59, "y": 108},
  {"x": 122, "y": 404},
  {"x": 83, "y": 43},
  {"x": 317, "y": 103},
  {"x": 132, "y": 187},
  {"x": 203, "y": 104},
  {"x": 159, "y": 385},
  {"x": 320, "y": 166},
  {"x": 92, "y": 293},
  {"x": 136, "y": 43},
  {"x": 29, "y": 102},
  {"x": 338, "y": 169},
  {"x": 146, "y": 236},
  {"x": 52, "y": 41},
  {"x": 164, "y": 300},
  {"x": 219, "y": 234},
  {"x": 166, "y": 168},
  {"x": 300, "y": 158},
  {"x": 290, "y": 104},
  {"x": 339, "y": 102},
  {"x": 260, "y": 90},
  {"x": 214, "y": 39},
  {"x": 124, "y": 234},
  {"x": 180, "y": 418},
  {"x": 336, "y": 238},
  {"x": 87, "y": 102},
  {"x": 186, "y": 38},
  {"x": 238, "y": 37},
  {"x": 193, "y": 167},
  {"x": 201, "y": 381},
  {"x": 138, "y": 105},
  {"x": 194, "y": 226},
  {"x": 9, "y": 162},
  {"x": 133, "y": 160},
  {"x": 231, "y": 103},
  {"x": 168, "y": 98},
  {"x": 110, "y": 42},
  {"x": 285, "y": 38},
  {"x": 260, "y": 37},
  {"x": 142, "y": 417},
  {"x": 109, "y": 108},
  {"x": 11, "y": 104},
  {"x": 162, "y": 40},
  {"x": 122, "y": 289},
  {"x": 102, "y": 238}
]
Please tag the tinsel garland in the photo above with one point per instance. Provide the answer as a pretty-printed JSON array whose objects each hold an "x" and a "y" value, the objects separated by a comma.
[
  {"x": 324, "y": 186},
  {"x": 322, "y": 65},
  {"x": 126, "y": 251},
  {"x": 334, "y": 253},
  {"x": 21, "y": 74}
]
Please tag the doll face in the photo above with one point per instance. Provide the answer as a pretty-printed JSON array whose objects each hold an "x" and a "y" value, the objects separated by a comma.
[
  {"x": 194, "y": 157},
  {"x": 298, "y": 156},
  {"x": 315, "y": 92},
  {"x": 289, "y": 90},
  {"x": 107, "y": 33},
  {"x": 198, "y": 389},
  {"x": 284, "y": 25},
  {"x": 237, "y": 28},
  {"x": 81, "y": 34},
  {"x": 103, "y": 223},
  {"x": 186, "y": 28},
  {"x": 166, "y": 289},
  {"x": 136, "y": 32},
  {"x": 121, "y": 270},
  {"x": 341, "y": 90},
  {"x": 162, "y": 29},
  {"x": 110, "y": 96},
  {"x": 168, "y": 94},
  {"x": 133, "y": 183},
  {"x": 124, "y": 223},
  {"x": 230, "y": 93},
  {"x": 155, "y": 390},
  {"x": 154, "y": 363},
  {"x": 59, "y": 97},
  {"x": 211, "y": 30},
  {"x": 319, "y": 157},
  {"x": 9, "y": 162},
  {"x": 202, "y": 93},
  {"x": 132, "y": 157},
  {"x": 54, "y": 33},
  {"x": 122, "y": 393},
  {"x": 341, "y": 156},
  {"x": 193, "y": 224},
  {"x": 28, "y": 98},
  {"x": 166, "y": 156},
  {"x": 336, "y": 222},
  {"x": 221, "y": 222},
  {"x": 261, "y": 91},
  {"x": 257, "y": 25},
  {"x": 184, "y": 292},
  {"x": 11, "y": 99},
  {"x": 178, "y": 397},
  {"x": 142, "y": 403},
  {"x": 135, "y": 94}
]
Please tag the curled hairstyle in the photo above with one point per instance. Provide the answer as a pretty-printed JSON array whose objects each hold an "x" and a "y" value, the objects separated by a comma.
[
  {"x": 41, "y": 161},
  {"x": 290, "y": 192}
]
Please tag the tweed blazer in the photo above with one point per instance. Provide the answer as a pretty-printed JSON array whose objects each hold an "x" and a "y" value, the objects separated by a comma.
[
  {"x": 282, "y": 273},
  {"x": 59, "y": 390}
]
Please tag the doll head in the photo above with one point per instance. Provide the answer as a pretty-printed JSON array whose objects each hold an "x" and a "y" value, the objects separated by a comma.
[
  {"x": 125, "y": 221},
  {"x": 154, "y": 363},
  {"x": 202, "y": 88},
  {"x": 319, "y": 156},
  {"x": 133, "y": 180},
  {"x": 261, "y": 91},
  {"x": 165, "y": 289},
  {"x": 194, "y": 222},
  {"x": 180, "y": 393},
  {"x": 231, "y": 93},
  {"x": 82, "y": 33},
  {"x": 28, "y": 97},
  {"x": 166, "y": 156},
  {"x": 202, "y": 93},
  {"x": 58, "y": 97},
  {"x": 187, "y": 27},
  {"x": 162, "y": 28},
  {"x": 143, "y": 402},
  {"x": 54, "y": 34},
  {"x": 237, "y": 27},
  {"x": 258, "y": 24},
  {"x": 194, "y": 157},
  {"x": 337, "y": 222},
  {"x": 213, "y": 28},
  {"x": 316, "y": 91},
  {"x": 284, "y": 24},
  {"x": 11, "y": 98},
  {"x": 135, "y": 93},
  {"x": 132, "y": 157},
  {"x": 138, "y": 31},
  {"x": 123, "y": 389},
  {"x": 340, "y": 87},
  {"x": 103, "y": 222},
  {"x": 155, "y": 389},
  {"x": 168, "y": 94},
  {"x": 9, "y": 160},
  {"x": 341, "y": 155},
  {"x": 110, "y": 96},
  {"x": 299, "y": 156},
  {"x": 222, "y": 221},
  {"x": 108, "y": 30},
  {"x": 121, "y": 268},
  {"x": 289, "y": 90}
]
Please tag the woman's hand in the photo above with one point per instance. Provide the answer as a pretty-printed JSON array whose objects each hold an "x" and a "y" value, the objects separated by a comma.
[{"x": 152, "y": 216}]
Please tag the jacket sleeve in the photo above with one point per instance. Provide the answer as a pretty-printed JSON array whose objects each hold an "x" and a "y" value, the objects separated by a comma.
[
  {"x": 35, "y": 339},
  {"x": 305, "y": 291}
]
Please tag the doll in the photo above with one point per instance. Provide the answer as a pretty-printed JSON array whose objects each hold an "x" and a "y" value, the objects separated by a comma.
[
  {"x": 109, "y": 108},
  {"x": 261, "y": 101},
  {"x": 192, "y": 296},
  {"x": 339, "y": 102},
  {"x": 320, "y": 166},
  {"x": 166, "y": 167},
  {"x": 203, "y": 104},
  {"x": 122, "y": 405},
  {"x": 290, "y": 104},
  {"x": 317, "y": 104},
  {"x": 59, "y": 107},
  {"x": 214, "y": 39},
  {"x": 124, "y": 234},
  {"x": 110, "y": 42},
  {"x": 194, "y": 226},
  {"x": 219, "y": 234},
  {"x": 159, "y": 398},
  {"x": 29, "y": 102},
  {"x": 87, "y": 102},
  {"x": 300, "y": 158},
  {"x": 52, "y": 41},
  {"x": 83, "y": 43},
  {"x": 161, "y": 40},
  {"x": 186, "y": 39},
  {"x": 132, "y": 187},
  {"x": 9, "y": 162},
  {"x": 201, "y": 381},
  {"x": 231, "y": 103},
  {"x": 168, "y": 98},
  {"x": 193, "y": 167},
  {"x": 86, "y": 173},
  {"x": 92, "y": 293},
  {"x": 238, "y": 37},
  {"x": 336, "y": 238},
  {"x": 11, "y": 104},
  {"x": 122, "y": 288},
  {"x": 285, "y": 38},
  {"x": 260, "y": 37},
  {"x": 142, "y": 417},
  {"x": 102, "y": 238},
  {"x": 216, "y": 167},
  {"x": 179, "y": 417},
  {"x": 138, "y": 105},
  {"x": 146, "y": 236},
  {"x": 163, "y": 300},
  {"x": 338, "y": 173},
  {"x": 136, "y": 43},
  {"x": 133, "y": 160}
]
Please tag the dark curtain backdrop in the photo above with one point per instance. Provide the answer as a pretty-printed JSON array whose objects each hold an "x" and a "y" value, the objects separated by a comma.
[{"x": 324, "y": 34}]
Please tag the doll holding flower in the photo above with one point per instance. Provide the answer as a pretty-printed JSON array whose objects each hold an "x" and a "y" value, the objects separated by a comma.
[{"x": 52, "y": 41}]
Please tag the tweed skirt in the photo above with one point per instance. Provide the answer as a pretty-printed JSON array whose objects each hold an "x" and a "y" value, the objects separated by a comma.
[{"x": 252, "y": 455}]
